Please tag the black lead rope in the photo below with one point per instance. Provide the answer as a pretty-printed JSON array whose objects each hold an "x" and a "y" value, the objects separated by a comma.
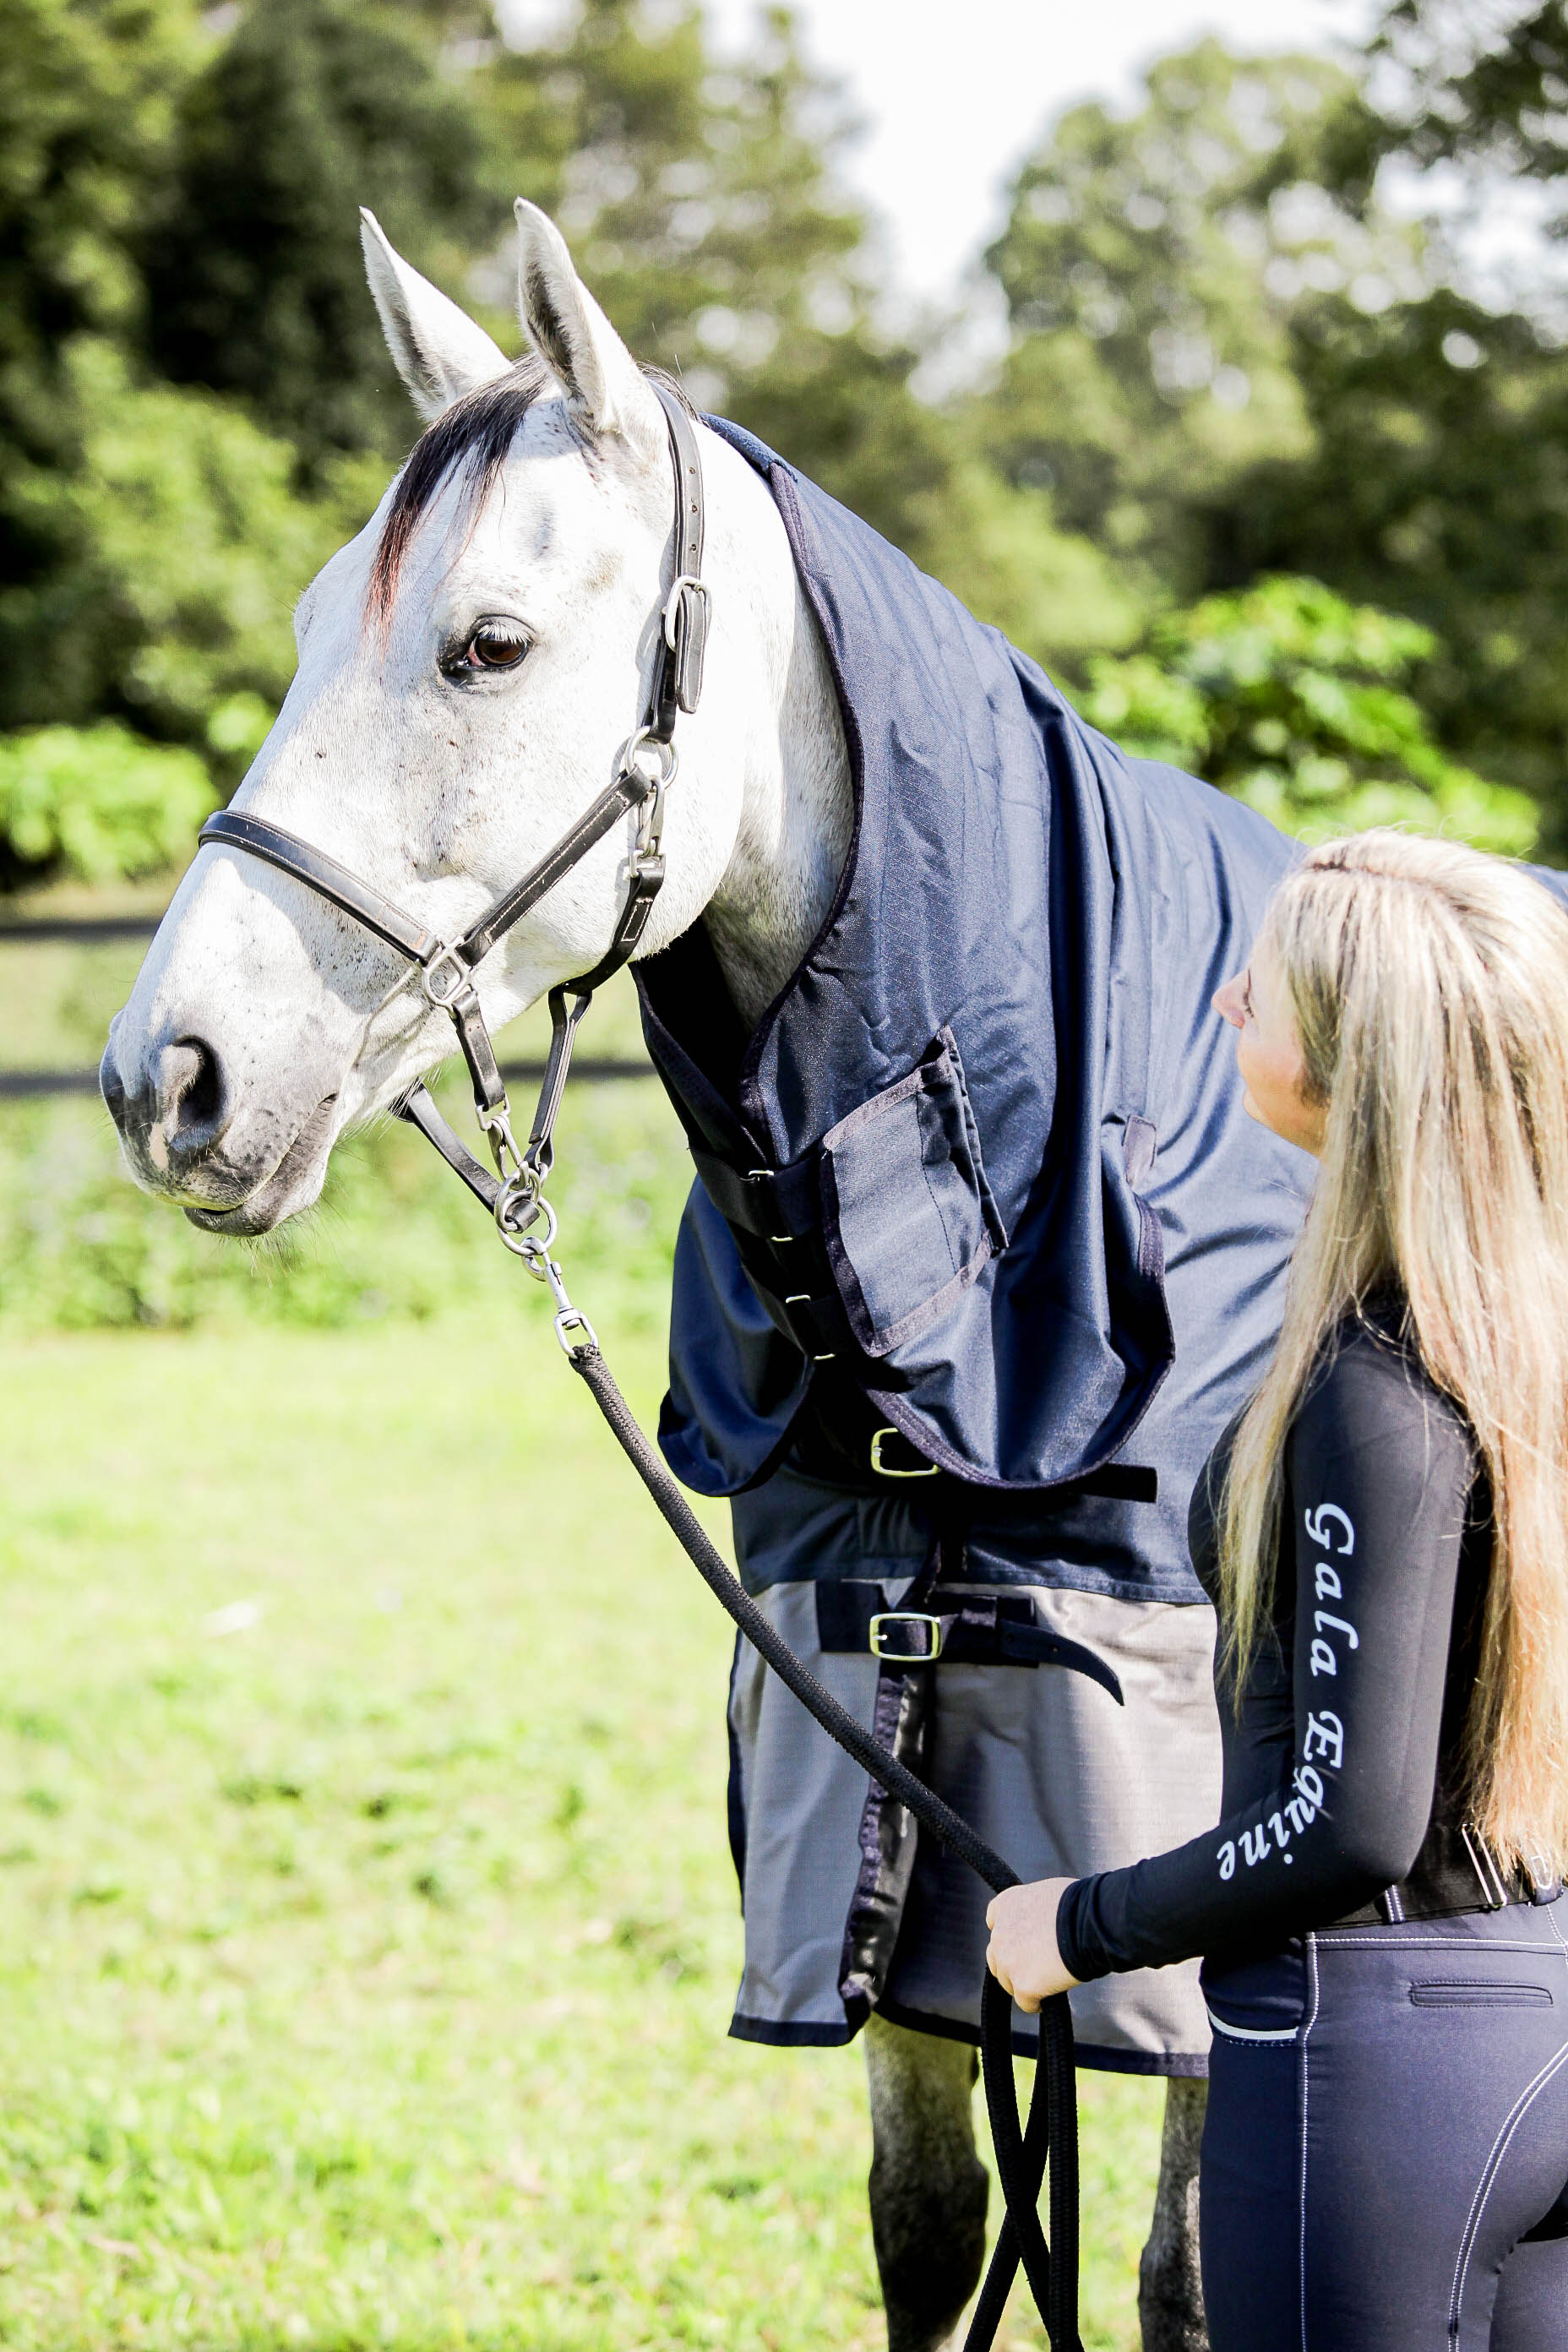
[
  {"x": 527, "y": 1224},
  {"x": 1052, "y": 2129}
]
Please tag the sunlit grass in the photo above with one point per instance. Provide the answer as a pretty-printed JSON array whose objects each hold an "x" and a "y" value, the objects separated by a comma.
[{"x": 368, "y": 1932}]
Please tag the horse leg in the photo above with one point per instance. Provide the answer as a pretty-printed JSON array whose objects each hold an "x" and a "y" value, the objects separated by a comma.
[
  {"x": 1170, "y": 2291},
  {"x": 928, "y": 2185}
]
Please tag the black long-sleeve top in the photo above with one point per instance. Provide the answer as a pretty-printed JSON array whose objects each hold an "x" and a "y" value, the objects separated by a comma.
[{"x": 1346, "y": 1749}]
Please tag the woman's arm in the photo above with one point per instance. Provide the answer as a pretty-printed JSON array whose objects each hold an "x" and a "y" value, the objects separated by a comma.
[{"x": 1380, "y": 1473}]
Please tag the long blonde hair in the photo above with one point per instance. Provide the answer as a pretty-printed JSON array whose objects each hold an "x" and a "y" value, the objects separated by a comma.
[{"x": 1429, "y": 988}]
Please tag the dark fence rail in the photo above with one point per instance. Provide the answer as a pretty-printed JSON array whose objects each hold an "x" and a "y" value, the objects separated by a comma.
[
  {"x": 18, "y": 1086},
  {"x": 36, "y": 931}
]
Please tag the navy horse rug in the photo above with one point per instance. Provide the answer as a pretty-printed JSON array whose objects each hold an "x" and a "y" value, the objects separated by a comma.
[{"x": 983, "y": 1254}]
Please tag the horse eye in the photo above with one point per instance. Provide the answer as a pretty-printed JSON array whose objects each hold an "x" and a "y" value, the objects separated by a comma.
[{"x": 492, "y": 648}]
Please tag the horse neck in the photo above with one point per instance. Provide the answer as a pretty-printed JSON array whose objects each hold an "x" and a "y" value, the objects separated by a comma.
[{"x": 797, "y": 807}]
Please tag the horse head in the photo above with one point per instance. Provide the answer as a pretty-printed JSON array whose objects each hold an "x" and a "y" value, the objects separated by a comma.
[{"x": 470, "y": 667}]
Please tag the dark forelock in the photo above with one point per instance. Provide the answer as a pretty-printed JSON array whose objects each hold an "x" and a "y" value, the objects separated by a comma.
[{"x": 473, "y": 436}]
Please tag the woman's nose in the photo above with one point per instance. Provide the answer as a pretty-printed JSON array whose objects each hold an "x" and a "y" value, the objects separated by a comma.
[{"x": 1227, "y": 1000}]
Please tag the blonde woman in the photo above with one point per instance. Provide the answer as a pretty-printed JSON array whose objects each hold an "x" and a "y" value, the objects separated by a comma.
[{"x": 1384, "y": 1533}]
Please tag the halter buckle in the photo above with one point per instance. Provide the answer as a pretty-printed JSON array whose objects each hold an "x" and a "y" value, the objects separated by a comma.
[
  {"x": 675, "y": 608},
  {"x": 687, "y": 611},
  {"x": 461, "y": 974}
]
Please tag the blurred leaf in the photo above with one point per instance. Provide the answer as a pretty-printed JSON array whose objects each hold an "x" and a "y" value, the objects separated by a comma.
[
  {"x": 179, "y": 548},
  {"x": 98, "y": 803},
  {"x": 1291, "y": 699},
  {"x": 1152, "y": 265},
  {"x": 255, "y": 285}
]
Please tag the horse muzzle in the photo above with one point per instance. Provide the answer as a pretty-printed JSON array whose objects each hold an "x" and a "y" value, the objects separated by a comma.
[{"x": 176, "y": 1118}]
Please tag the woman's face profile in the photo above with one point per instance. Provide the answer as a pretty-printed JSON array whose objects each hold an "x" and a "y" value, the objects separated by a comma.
[{"x": 1269, "y": 1053}]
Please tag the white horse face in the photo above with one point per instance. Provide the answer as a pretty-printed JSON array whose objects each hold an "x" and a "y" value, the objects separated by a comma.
[{"x": 451, "y": 716}]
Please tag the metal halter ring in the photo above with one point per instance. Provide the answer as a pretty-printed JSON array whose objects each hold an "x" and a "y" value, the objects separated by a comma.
[
  {"x": 644, "y": 739},
  {"x": 460, "y": 979},
  {"x": 521, "y": 1192}
]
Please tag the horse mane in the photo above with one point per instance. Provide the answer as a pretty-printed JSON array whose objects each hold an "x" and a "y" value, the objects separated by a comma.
[{"x": 475, "y": 435}]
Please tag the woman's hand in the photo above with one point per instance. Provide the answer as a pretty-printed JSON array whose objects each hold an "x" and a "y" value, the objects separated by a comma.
[{"x": 1022, "y": 1955}]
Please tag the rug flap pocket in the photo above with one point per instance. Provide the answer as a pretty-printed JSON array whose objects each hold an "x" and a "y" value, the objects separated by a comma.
[{"x": 908, "y": 1215}]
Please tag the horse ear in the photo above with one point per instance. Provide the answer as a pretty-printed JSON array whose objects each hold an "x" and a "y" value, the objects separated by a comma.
[
  {"x": 607, "y": 392},
  {"x": 436, "y": 348}
]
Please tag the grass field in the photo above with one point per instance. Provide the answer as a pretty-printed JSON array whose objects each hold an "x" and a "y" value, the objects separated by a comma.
[{"x": 368, "y": 1932}]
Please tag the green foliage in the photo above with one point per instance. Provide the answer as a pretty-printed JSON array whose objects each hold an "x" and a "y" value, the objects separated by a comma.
[
  {"x": 87, "y": 94},
  {"x": 1437, "y": 486},
  {"x": 1152, "y": 267},
  {"x": 97, "y": 802},
  {"x": 1231, "y": 360},
  {"x": 395, "y": 1236},
  {"x": 255, "y": 285},
  {"x": 1492, "y": 89},
  {"x": 1292, "y": 700},
  {"x": 178, "y": 547},
  {"x": 702, "y": 209},
  {"x": 193, "y": 348},
  {"x": 999, "y": 548}
]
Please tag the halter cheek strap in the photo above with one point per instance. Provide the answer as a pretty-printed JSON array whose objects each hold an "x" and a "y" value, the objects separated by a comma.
[{"x": 646, "y": 769}]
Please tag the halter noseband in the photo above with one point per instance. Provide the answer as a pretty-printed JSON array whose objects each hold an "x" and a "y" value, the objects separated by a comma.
[{"x": 646, "y": 770}]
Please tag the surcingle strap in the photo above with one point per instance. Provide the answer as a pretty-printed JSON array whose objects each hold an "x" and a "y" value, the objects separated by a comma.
[
  {"x": 889, "y": 1834},
  {"x": 912, "y": 1638},
  {"x": 980, "y": 1630}
]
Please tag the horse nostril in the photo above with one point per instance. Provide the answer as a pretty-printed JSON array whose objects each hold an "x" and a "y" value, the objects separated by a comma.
[{"x": 192, "y": 1109}]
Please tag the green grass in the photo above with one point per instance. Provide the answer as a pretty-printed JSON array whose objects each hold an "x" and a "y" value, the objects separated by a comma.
[{"x": 368, "y": 1934}]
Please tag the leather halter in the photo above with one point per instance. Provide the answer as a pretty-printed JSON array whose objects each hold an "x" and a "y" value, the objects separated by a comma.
[{"x": 446, "y": 966}]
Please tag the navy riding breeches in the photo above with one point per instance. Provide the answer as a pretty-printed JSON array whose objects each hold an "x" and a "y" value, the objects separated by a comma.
[{"x": 1385, "y": 2157}]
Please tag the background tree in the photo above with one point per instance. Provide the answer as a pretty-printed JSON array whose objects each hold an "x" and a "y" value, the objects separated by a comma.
[
  {"x": 1440, "y": 422},
  {"x": 1296, "y": 702},
  {"x": 1437, "y": 484},
  {"x": 704, "y": 204},
  {"x": 253, "y": 281},
  {"x": 1230, "y": 361},
  {"x": 1486, "y": 81},
  {"x": 1152, "y": 266}
]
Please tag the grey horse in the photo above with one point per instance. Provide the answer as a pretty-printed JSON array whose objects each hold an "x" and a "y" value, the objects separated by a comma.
[{"x": 452, "y": 714}]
